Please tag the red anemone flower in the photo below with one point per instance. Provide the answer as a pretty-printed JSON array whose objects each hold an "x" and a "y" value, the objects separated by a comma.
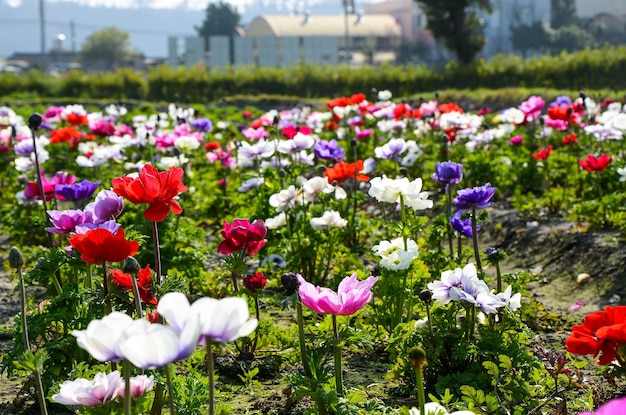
[
  {"x": 595, "y": 164},
  {"x": 342, "y": 171},
  {"x": 242, "y": 234},
  {"x": 543, "y": 153},
  {"x": 601, "y": 334},
  {"x": 155, "y": 188},
  {"x": 144, "y": 283},
  {"x": 254, "y": 282},
  {"x": 569, "y": 139},
  {"x": 100, "y": 245}
]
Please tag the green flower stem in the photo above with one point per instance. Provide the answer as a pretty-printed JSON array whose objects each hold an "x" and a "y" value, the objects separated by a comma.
[
  {"x": 170, "y": 389},
  {"x": 430, "y": 324},
  {"x": 88, "y": 279},
  {"x": 475, "y": 240},
  {"x": 157, "y": 404},
  {"x": 329, "y": 255},
  {"x": 41, "y": 397},
  {"x": 449, "y": 214},
  {"x": 498, "y": 278},
  {"x": 23, "y": 310},
  {"x": 105, "y": 286},
  {"x": 127, "y": 397},
  {"x": 337, "y": 350},
  {"x": 421, "y": 398},
  {"x": 157, "y": 252},
  {"x": 38, "y": 384},
  {"x": 210, "y": 369},
  {"x": 57, "y": 284},
  {"x": 133, "y": 279},
  {"x": 304, "y": 356}
]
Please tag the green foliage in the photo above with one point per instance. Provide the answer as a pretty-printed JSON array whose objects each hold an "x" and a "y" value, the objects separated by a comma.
[
  {"x": 106, "y": 48},
  {"x": 591, "y": 69},
  {"x": 458, "y": 25}
]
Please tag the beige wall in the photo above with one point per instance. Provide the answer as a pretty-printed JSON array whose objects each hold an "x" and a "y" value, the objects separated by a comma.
[
  {"x": 590, "y": 8},
  {"x": 402, "y": 10}
]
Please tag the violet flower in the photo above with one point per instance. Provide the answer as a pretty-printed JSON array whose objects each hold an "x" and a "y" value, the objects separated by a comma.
[
  {"x": 462, "y": 226},
  {"x": 392, "y": 149},
  {"x": 476, "y": 197},
  {"x": 77, "y": 191},
  {"x": 328, "y": 150},
  {"x": 202, "y": 124},
  {"x": 448, "y": 172},
  {"x": 107, "y": 205},
  {"x": 532, "y": 107},
  {"x": 65, "y": 221},
  {"x": 350, "y": 297}
]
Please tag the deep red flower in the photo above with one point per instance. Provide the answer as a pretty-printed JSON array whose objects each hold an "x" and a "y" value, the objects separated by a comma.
[
  {"x": 401, "y": 110},
  {"x": 569, "y": 139},
  {"x": 543, "y": 154},
  {"x": 144, "y": 283},
  {"x": 212, "y": 145},
  {"x": 595, "y": 164},
  {"x": 338, "y": 102},
  {"x": 242, "y": 234},
  {"x": 254, "y": 282},
  {"x": 342, "y": 171},
  {"x": 100, "y": 245},
  {"x": 601, "y": 334},
  {"x": 155, "y": 188},
  {"x": 290, "y": 132}
]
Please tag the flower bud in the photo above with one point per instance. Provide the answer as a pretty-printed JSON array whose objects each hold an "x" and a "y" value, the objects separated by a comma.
[
  {"x": 16, "y": 259},
  {"x": 254, "y": 282},
  {"x": 417, "y": 357},
  {"x": 282, "y": 173},
  {"x": 426, "y": 296},
  {"x": 353, "y": 142},
  {"x": 34, "y": 121},
  {"x": 290, "y": 282},
  {"x": 131, "y": 266}
]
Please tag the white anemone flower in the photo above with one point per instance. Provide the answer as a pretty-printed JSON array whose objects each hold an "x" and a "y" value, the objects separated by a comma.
[
  {"x": 277, "y": 221},
  {"x": 330, "y": 219},
  {"x": 285, "y": 199},
  {"x": 393, "y": 254},
  {"x": 388, "y": 190},
  {"x": 102, "y": 337}
]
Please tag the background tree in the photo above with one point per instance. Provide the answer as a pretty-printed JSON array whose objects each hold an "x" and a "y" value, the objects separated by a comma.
[
  {"x": 457, "y": 24},
  {"x": 528, "y": 38},
  {"x": 106, "y": 49},
  {"x": 563, "y": 13},
  {"x": 221, "y": 20}
]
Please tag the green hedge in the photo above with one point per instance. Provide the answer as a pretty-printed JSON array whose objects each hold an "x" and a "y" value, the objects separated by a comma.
[{"x": 590, "y": 69}]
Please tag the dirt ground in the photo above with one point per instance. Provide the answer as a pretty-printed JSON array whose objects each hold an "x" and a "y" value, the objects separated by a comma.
[{"x": 558, "y": 252}]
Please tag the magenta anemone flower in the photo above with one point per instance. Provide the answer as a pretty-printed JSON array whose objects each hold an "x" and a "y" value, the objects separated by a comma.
[
  {"x": 350, "y": 297},
  {"x": 242, "y": 234}
]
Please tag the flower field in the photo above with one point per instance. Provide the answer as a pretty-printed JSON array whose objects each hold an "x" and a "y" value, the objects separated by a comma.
[{"x": 331, "y": 260}]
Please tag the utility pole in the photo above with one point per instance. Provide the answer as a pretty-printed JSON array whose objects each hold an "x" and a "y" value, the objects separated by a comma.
[
  {"x": 348, "y": 6},
  {"x": 42, "y": 29},
  {"x": 73, "y": 35}
]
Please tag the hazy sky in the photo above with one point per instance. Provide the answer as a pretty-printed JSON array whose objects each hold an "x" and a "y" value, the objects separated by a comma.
[{"x": 157, "y": 4}]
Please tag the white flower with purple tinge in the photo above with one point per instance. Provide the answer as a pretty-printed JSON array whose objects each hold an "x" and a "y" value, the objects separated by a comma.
[
  {"x": 392, "y": 149},
  {"x": 316, "y": 185},
  {"x": 285, "y": 199},
  {"x": 102, "y": 337},
  {"x": 330, "y": 219},
  {"x": 247, "y": 153},
  {"x": 449, "y": 279},
  {"x": 512, "y": 302},
  {"x": 250, "y": 184},
  {"x": 298, "y": 143}
]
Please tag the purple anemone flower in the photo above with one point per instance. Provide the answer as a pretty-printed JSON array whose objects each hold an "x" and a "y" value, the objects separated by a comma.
[
  {"x": 77, "y": 191},
  {"x": 448, "y": 172},
  {"x": 392, "y": 149},
  {"x": 108, "y": 205},
  {"x": 202, "y": 124},
  {"x": 328, "y": 150},
  {"x": 474, "y": 197},
  {"x": 66, "y": 221},
  {"x": 561, "y": 101},
  {"x": 462, "y": 226}
]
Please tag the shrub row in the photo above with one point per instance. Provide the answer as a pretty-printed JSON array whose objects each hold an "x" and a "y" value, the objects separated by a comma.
[{"x": 590, "y": 69}]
